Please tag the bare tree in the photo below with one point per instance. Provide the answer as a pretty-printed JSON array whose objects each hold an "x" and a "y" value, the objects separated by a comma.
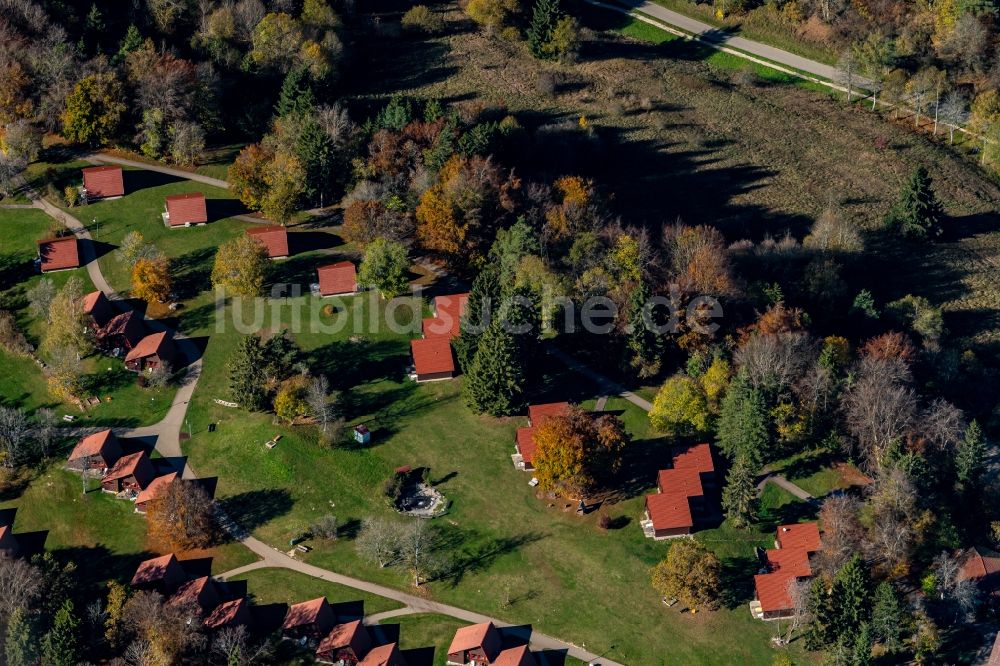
[
  {"x": 798, "y": 592},
  {"x": 45, "y": 432},
  {"x": 325, "y": 528},
  {"x": 892, "y": 501},
  {"x": 14, "y": 430},
  {"x": 878, "y": 410},
  {"x": 40, "y": 298},
  {"x": 318, "y": 399},
  {"x": 140, "y": 652},
  {"x": 954, "y": 111},
  {"x": 847, "y": 68},
  {"x": 236, "y": 648},
  {"x": 187, "y": 142},
  {"x": 842, "y": 532},
  {"x": 421, "y": 546},
  {"x": 776, "y": 361},
  {"x": 379, "y": 540},
  {"x": 942, "y": 424},
  {"x": 19, "y": 585}
]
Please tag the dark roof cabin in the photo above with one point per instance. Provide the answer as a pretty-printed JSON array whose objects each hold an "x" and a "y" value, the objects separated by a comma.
[
  {"x": 97, "y": 306},
  {"x": 101, "y": 182},
  {"x": 311, "y": 620},
  {"x": 131, "y": 474},
  {"x": 162, "y": 574},
  {"x": 200, "y": 592},
  {"x": 58, "y": 254},
  {"x": 100, "y": 450},
  {"x": 346, "y": 644},
  {"x": 153, "y": 491},
  {"x": 122, "y": 332},
  {"x": 152, "y": 351},
  {"x": 475, "y": 645},
  {"x": 229, "y": 614}
]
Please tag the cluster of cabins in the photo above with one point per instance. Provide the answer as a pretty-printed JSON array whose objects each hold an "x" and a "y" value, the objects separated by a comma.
[
  {"x": 784, "y": 566},
  {"x": 180, "y": 210},
  {"x": 129, "y": 475},
  {"x": 681, "y": 503},
  {"x": 125, "y": 334},
  {"x": 433, "y": 359}
]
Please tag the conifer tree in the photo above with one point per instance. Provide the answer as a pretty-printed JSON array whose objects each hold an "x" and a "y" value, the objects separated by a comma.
[
  {"x": 481, "y": 308},
  {"x": 247, "y": 374},
  {"x": 21, "y": 645},
  {"x": 850, "y": 596},
  {"x": 739, "y": 497},
  {"x": 888, "y": 617},
  {"x": 60, "y": 646},
  {"x": 494, "y": 382},
  {"x": 296, "y": 93},
  {"x": 969, "y": 456},
  {"x": 543, "y": 23},
  {"x": 918, "y": 214},
  {"x": 744, "y": 424}
]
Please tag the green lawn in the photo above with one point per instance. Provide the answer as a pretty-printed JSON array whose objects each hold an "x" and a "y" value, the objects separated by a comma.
[{"x": 283, "y": 586}]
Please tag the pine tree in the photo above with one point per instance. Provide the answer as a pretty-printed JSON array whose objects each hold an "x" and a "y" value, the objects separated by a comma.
[
  {"x": 739, "y": 497},
  {"x": 850, "y": 596},
  {"x": 744, "y": 424},
  {"x": 60, "y": 646},
  {"x": 296, "y": 93},
  {"x": 863, "y": 646},
  {"x": 494, "y": 383},
  {"x": 918, "y": 214},
  {"x": 481, "y": 308},
  {"x": 21, "y": 646},
  {"x": 822, "y": 628},
  {"x": 645, "y": 346},
  {"x": 247, "y": 373},
  {"x": 969, "y": 456},
  {"x": 887, "y": 617},
  {"x": 543, "y": 23}
]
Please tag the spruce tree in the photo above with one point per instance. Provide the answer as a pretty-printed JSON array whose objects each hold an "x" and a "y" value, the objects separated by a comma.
[
  {"x": 739, "y": 497},
  {"x": 822, "y": 630},
  {"x": 543, "y": 23},
  {"x": 863, "y": 646},
  {"x": 247, "y": 373},
  {"x": 21, "y": 645},
  {"x": 644, "y": 345},
  {"x": 480, "y": 310},
  {"x": 60, "y": 646},
  {"x": 888, "y": 617},
  {"x": 918, "y": 214},
  {"x": 296, "y": 93},
  {"x": 494, "y": 383},
  {"x": 969, "y": 456},
  {"x": 744, "y": 423},
  {"x": 851, "y": 596}
]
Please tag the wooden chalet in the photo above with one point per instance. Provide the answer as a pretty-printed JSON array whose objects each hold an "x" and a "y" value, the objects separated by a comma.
[
  {"x": 103, "y": 182},
  {"x": 309, "y": 621},
  {"x": 153, "y": 491},
  {"x": 100, "y": 451},
  {"x": 97, "y": 306},
  {"x": 229, "y": 614},
  {"x": 162, "y": 574},
  {"x": 475, "y": 645},
  {"x": 153, "y": 351},
  {"x": 346, "y": 644},
  {"x": 274, "y": 238},
  {"x": 130, "y": 474},
  {"x": 384, "y": 655},
  {"x": 121, "y": 333},
  {"x": 787, "y": 563}
]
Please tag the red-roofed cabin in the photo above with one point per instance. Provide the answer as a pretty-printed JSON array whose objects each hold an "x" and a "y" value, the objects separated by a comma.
[
  {"x": 123, "y": 332},
  {"x": 97, "y": 306},
  {"x": 432, "y": 359},
  {"x": 384, "y": 655},
  {"x": 516, "y": 656},
  {"x": 339, "y": 279},
  {"x": 309, "y": 620},
  {"x": 9, "y": 546},
  {"x": 102, "y": 182},
  {"x": 274, "y": 238},
  {"x": 58, "y": 254},
  {"x": 100, "y": 450},
  {"x": 229, "y": 614},
  {"x": 346, "y": 644},
  {"x": 537, "y": 413},
  {"x": 475, "y": 645},
  {"x": 798, "y": 535},
  {"x": 983, "y": 569},
  {"x": 152, "y": 351},
  {"x": 183, "y": 210},
  {"x": 153, "y": 491},
  {"x": 667, "y": 515},
  {"x": 524, "y": 438},
  {"x": 697, "y": 457},
  {"x": 447, "y": 319},
  {"x": 787, "y": 564},
  {"x": 200, "y": 592},
  {"x": 130, "y": 474},
  {"x": 163, "y": 574}
]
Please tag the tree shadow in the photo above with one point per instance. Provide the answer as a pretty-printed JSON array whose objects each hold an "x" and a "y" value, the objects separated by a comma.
[
  {"x": 347, "y": 364},
  {"x": 737, "y": 581},
  {"x": 300, "y": 242},
  {"x": 97, "y": 564},
  {"x": 256, "y": 508},
  {"x": 220, "y": 209},
  {"x": 423, "y": 656},
  {"x": 142, "y": 179},
  {"x": 191, "y": 272},
  {"x": 478, "y": 558}
]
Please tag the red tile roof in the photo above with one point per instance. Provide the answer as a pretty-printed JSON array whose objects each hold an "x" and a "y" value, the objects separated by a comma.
[
  {"x": 155, "y": 488},
  {"x": 127, "y": 466},
  {"x": 58, "y": 253},
  {"x": 192, "y": 591},
  {"x": 686, "y": 481},
  {"x": 526, "y": 444},
  {"x": 792, "y": 561},
  {"x": 483, "y": 635},
  {"x": 338, "y": 278},
  {"x": 349, "y": 634},
  {"x": 517, "y": 656},
  {"x": 383, "y": 655},
  {"x": 90, "y": 300},
  {"x": 104, "y": 181},
  {"x": 128, "y": 324},
  {"x": 155, "y": 569},
  {"x": 976, "y": 566},
  {"x": 536, "y": 413},
  {"x": 669, "y": 511},
  {"x": 772, "y": 591},
  {"x": 697, "y": 457},
  {"x": 228, "y": 612},
  {"x": 799, "y": 535},
  {"x": 432, "y": 355},
  {"x": 189, "y": 208},
  {"x": 273, "y": 237},
  {"x": 92, "y": 445},
  {"x": 307, "y": 612},
  {"x": 447, "y": 319},
  {"x": 148, "y": 346}
]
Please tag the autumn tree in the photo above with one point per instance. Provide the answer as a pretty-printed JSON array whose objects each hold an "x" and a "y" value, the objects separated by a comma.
[
  {"x": 492, "y": 14},
  {"x": 151, "y": 280},
  {"x": 182, "y": 517},
  {"x": 165, "y": 630},
  {"x": 680, "y": 408},
  {"x": 384, "y": 267},
  {"x": 285, "y": 178},
  {"x": 291, "y": 401},
  {"x": 918, "y": 214},
  {"x": 691, "y": 574},
  {"x": 67, "y": 323},
  {"x": 241, "y": 267},
  {"x": 576, "y": 451},
  {"x": 94, "y": 110},
  {"x": 63, "y": 374},
  {"x": 247, "y": 175},
  {"x": 134, "y": 247}
]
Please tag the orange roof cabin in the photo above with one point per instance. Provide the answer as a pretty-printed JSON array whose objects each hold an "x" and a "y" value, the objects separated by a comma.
[
  {"x": 130, "y": 474},
  {"x": 346, "y": 644},
  {"x": 786, "y": 565},
  {"x": 679, "y": 504},
  {"x": 97, "y": 306},
  {"x": 447, "y": 319},
  {"x": 102, "y": 182},
  {"x": 339, "y": 279},
  {"x": 309, "y": 620},
  {"x": 152, "y": 351},
  {"x": 524, "y": 438},
  {"x": 163, "y": 574},
  {"x": 58, "y": 254},
  {"x": 983, "y": 570},
  {"x": 153, "y": 491},
  {"x": 384, "y": 655},
  {"x": 100, "y": 450},
  {"x": 9, "y": 546},
  {"x": 274, "y": 238},
  {"x": 229, "y": 614},
  {"x": 184, "y": 210},
  {"x": 200, "y": 592},
  {"x": 432, "y": 359},
  {"x": 475, "y": 645},
  {"x": 122, "y": 332},
  {"x": 517, "y": 656}
]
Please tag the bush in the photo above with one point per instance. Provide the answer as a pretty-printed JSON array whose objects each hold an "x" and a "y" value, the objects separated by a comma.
[
  {"x": 603, "y": 521},
  {"x": 158, "y": 376},
  {"x": 325, "y": 528},
  {"x": 72, "y": 196},
  {"x": 421, "y": 19},
  {"x": 12, "y": 339},
  {"x": 393, "y": 487}
]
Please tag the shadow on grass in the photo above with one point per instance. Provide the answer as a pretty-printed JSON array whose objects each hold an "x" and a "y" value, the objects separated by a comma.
[
  {"x": 255, "y": 508},
  {"x": 220, "y": 209},
  {"x": 141, "y": 179},
  {"x": 191, "y": 272},
  {"x": 478, "y": 557},
  {"x": 99, "y": 565},
  {"x": 347, "y": 364}
]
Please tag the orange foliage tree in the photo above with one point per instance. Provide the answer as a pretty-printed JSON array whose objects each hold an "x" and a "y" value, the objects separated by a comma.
[
  {"x": 182, "y": 517},
  {"x": 576, "y": 451},
  {"x": 151, "y": 280},
  {"x": 248, "y": 175}
]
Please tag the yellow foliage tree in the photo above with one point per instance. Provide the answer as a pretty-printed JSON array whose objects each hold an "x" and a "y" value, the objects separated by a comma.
[
  {"x": 290, "y": 402},
  {"x": 576, "y": 451},
  {"x": 151, "y": 280},
  {"x": 437, "y": 227},
  {"x": 182, "y": 517},
  {"x": 241, "y": 266},
  {"x": 690, "y": 573}
]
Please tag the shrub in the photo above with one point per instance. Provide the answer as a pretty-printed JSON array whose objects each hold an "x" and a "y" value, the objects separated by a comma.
[
  {"x": 72, "y": 196},
  {"x": 421, "y": 19},
  {"x": 12, "y": 339},
  {"x": 603, "y": 521},
  {"x": 325, "y": 528},
  {"x": 393, "y": 487}
]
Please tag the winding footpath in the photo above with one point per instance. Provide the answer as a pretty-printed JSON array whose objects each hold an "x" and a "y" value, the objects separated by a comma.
[{"x": 167, "y": 442}]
